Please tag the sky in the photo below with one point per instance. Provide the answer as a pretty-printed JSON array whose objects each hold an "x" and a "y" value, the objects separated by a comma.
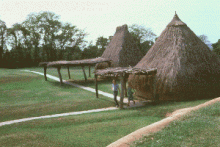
[{"x": 100, "y": 17}]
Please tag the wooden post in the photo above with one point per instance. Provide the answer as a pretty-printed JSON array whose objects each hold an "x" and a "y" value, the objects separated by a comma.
[
  {"x": 89, "y": 72},
  {"x": 45, "y": 72},
  {"x": 122, "y": 91},
  {"x": 58, "y": 69},
  {"x": 84, "y": 73},
  {"x": 156, "y": 99},
  {"x": 109, "y": 64},
  {"x": 96, "y": 86},
  {"x": 125, "y": 88},
  {"x": 68, "y": 68}
]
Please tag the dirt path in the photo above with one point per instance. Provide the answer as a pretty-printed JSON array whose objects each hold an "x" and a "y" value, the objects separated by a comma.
[{"x": 126, "y": 140}]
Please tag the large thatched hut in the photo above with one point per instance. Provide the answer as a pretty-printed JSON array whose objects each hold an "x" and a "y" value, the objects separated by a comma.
[
  {"x": 122, "y": 50},
  {"x": 186, "y": 67}
]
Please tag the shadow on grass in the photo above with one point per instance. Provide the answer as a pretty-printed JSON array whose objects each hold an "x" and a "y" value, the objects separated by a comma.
[
  {"x": 64, "y": 86},
  {"x": 91, "y": 82}
]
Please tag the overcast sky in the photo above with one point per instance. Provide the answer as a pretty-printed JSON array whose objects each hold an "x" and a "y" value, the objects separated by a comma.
[{"x": 100, "y": 18}]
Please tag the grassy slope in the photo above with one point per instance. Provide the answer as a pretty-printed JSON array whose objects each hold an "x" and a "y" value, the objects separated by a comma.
[
  {"x": 200, "y": 128},
  {"x": 19, "y": 99},
  {"x": 26, "y": 94},
  {"x": 96, "y": 129}
]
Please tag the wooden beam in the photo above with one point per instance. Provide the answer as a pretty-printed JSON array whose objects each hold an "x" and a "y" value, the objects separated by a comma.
[
  {"x": 45, "y": 72},
  {"x": 68, "y": 68},
  {"x": 122, "y": 80},
  {"x": 84, "y": 73},
  {"x": 58, "y": 69},
  {"x": 89, "y": 71},
  {"x": 96, "y": 87}
]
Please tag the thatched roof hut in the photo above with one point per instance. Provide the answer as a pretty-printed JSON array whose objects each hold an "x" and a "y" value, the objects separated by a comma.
[
  {"x": 122, "y": 49},
  {"x": 186, "y": 67}
]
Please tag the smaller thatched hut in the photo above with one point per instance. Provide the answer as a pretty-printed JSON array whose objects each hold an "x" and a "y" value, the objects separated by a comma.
[
  {"x": 186, "y": 67},
  {"x": 122, "y": 50}
]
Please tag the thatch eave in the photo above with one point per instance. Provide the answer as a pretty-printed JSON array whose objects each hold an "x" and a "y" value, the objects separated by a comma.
[{"x": 85, "y": 62}]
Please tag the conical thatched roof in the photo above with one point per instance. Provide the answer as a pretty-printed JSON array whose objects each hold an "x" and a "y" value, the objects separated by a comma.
[
  {"x": 122, "y": 49},
  {"x": 186, "y": 67}
]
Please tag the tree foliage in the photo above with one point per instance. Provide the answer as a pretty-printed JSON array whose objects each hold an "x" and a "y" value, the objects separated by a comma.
[
  {"x": 101, "y": 44},
  {"x": 93, "y": 51},
  {"x": 3, "y": 31},
  {"x": 204, "y": 39},
  {"x": 216, "y": 47},
  {"x": 144, "y": 37},
  {"x": 41, "y": 37}
]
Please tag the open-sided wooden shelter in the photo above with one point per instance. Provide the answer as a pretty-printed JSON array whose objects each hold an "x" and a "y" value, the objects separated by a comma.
[
  {"x": 186, "y": 67},
  {"x": 123, "y": 73},
  {"x": 74, "y": 63}
]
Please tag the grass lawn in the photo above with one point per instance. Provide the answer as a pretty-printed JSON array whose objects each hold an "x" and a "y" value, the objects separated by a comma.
[
  {"x": 76, "y": 73},
  {"x": 96, "y": 129},
  {"x": 25, "y": 94},
  {"x": 200, "y": 128},
  {"x": 78, "y": 77}
]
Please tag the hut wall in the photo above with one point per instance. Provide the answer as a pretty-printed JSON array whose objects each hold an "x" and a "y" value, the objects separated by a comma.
[{"x": 143, "y": 86}]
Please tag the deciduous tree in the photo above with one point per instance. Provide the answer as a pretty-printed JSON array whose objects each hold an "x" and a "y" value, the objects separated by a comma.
[
  {"x": 101, "y": 43},
  {"x": 216, "y": 47},
  {"x": 3, "y": 31},
  {"x": 144, "y": 37},
  {"x": 204, "y": 39}
]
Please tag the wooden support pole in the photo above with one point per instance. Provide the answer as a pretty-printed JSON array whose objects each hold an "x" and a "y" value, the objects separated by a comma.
[
  {"x": 125, "y": 87},
  {"x": 68, "y": 68},
  {"x": 84, "y": 73},
  {"x": 89, "y": 71},
  {"x": 155, "y": 97},
  {"x": 58, "y": 69},
  {"x": 96, "y": 86},
  {"x": 45, "y": 73},
  {"x": 122, "y": 91},
  {"x": 109, "y": 64}
]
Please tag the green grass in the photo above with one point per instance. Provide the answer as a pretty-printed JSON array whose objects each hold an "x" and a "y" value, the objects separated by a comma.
[
  {"x": 95, "y": 129},
  {"x": 76, "y": 73},
  {"x": 78, "y": 77},
  {"x": 25, "y": 94},
  {"x": 200, "y": 128}
]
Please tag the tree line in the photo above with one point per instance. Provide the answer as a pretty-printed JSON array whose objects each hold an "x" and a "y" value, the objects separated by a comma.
[{"x": 43, "y": 37}]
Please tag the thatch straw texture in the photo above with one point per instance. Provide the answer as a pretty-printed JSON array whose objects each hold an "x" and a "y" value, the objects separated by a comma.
[
  {"x": 122, "y": 71},
  {"x": 186, "y": 67},
  {"x": 122, "y": 49}
]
